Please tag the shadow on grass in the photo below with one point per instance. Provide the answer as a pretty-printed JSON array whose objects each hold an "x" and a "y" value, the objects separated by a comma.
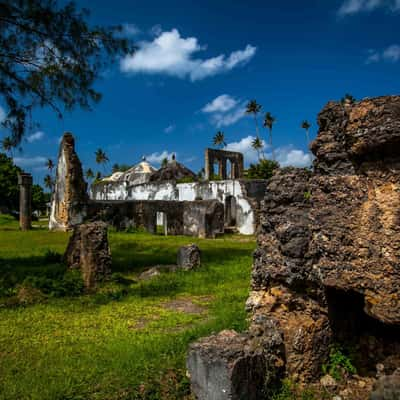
[{"x": 128, "y": 257}]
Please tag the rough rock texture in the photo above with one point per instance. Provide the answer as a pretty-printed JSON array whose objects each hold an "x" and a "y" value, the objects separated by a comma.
[
  {"x": 188, "y": 257},
  {"x": 68, "y": 204},
  {"x": 173, "y": 171},
  {"x": 232, "y": 366},
  {"x": 327, "y": 264},
  {"x": 89, "y": 251},
  {"x": 352, "y": 135},
  {"x": 387, "y": 387}
]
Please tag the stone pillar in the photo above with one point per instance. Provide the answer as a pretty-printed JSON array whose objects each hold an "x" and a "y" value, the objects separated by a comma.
[
  {"x": 25, "y": 200},
  {"x": 208, "y": 165}
]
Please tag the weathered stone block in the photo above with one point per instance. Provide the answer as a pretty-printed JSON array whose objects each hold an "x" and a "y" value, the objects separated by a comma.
[
  {"x": 223, "y": 367},
  {"x": 89, "y": 251},
  {"x": 387, "y": 387},
  {"x": 188, "y": 257}
]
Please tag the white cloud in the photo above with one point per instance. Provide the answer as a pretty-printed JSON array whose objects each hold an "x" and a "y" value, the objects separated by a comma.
[
  {"x": 156, "y": 157},
  {"x": 225, "y": 110},
  {"x": 351, "y": 7},
  {"x": 244, "y": 146},
  {"x": 35, "y": 136},
  {"x": 171, "y": 54},
  {"x": 390, "y": 54},
  {"x": 226, "y": 119},
  {"x": 169, "y": 128},
  {"x": 221, "y": 103},
  {"x": 130, "y": 29},
  {"x": 287, "y": 156},
  {"x": 30, "y": 161}
]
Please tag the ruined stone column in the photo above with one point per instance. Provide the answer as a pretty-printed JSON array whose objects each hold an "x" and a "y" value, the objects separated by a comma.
[
  {"x": 68, "y": 205},
  {"x": 208, "y": 165},
  {"x": 25, "y": 199}
]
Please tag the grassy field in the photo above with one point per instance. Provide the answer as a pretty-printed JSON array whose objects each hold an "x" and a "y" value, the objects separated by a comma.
[{"x": 129, "y": 339}]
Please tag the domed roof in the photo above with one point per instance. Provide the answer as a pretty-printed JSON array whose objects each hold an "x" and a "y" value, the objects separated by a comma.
[
  {"x": 173, "y": 171},
  {"x": 139, "y": 173}
]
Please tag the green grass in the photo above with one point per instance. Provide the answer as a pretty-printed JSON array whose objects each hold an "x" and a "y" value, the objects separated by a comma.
[{"x": 127, "y": 341}]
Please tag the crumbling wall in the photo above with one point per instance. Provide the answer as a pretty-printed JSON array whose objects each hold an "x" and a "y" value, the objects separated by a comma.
[
  {"x": 69, "y": 197},
  {"x": 197, "y": 218},
  {"x": 247, "y": 194},
  {"x": 327, "y": 263}
]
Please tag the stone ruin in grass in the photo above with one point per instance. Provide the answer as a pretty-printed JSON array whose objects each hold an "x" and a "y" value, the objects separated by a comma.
[{"x": 327, "y": 265}]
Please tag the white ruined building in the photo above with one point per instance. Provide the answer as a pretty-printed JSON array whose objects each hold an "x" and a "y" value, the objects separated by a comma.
[{"x": 240, "y": 197}]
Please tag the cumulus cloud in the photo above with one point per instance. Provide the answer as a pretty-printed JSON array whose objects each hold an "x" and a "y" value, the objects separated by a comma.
[
  {"x": 30, "y": 161},
  {"x": 169, "y": 128},
  {"x": 244, "y": 146},
  {"x": 173, "y": 55},
  {"x": 156, "y": 157},
  {"x": 225, "y": 110},
  {"x": 35, "y": 136},
  {"x": 221, "y": 103},
  {"x": 286, "y": 156},
  {"x": 226, "y": 119},
  {"x": 351, "y": 7},
  {"x": 390, "y": 54}
]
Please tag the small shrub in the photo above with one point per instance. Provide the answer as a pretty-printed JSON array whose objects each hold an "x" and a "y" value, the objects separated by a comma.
[
  {"x": 339, "y": 364},
  {"x": 263, "y": 170},
  {"x": 307, "y": 195},
  {"x": 291, "y": 391},
  {"x": 29, "y": 295},
  {"x": 52, "y": 257}
]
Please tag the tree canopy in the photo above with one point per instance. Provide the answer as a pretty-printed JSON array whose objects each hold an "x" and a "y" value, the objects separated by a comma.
[
  {"x": 50, "y": 57},
  {"x": 9, "y": 183}
]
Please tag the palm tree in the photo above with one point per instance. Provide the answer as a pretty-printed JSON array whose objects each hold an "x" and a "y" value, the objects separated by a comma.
[
  {"x": 49, "y": 164},
  {"x": 7, "y": 145},
  {"x": 269, "y": 121},
  {"x": 164, "y": 162},
  {"x": 306, "y": 126},
  {"x": 257, "y": 145},
  {"x": 89, "y": 174},
  {"x": 254, "y": 108},
  {"x": 101, "y": 158},
  {"x": 219, "y": 139},
  {"x": 48, "y": 182}
]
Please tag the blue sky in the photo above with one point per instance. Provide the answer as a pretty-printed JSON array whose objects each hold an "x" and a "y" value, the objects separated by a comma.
[{"x": 198, "y": 64}]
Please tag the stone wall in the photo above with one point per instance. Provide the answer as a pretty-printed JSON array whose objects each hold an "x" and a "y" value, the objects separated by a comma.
[
  {"x": 195, "y": 218},
  {"x": 328, "y": 256},
  {"x": 247, "y": 194}
]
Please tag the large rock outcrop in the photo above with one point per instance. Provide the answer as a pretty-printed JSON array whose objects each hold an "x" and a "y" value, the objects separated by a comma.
[
  {"x": 69, "y": 200},
  {"x": 327, "y": 264}
]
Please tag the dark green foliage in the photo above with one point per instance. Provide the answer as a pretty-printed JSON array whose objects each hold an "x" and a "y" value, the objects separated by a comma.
[
  {"x": 120, "y": 167},
  {"x": 71, "y": 284},
  {"x": 340, "y": 364},
  {"x": 348, "y": 98},
  {"x": 39, "y": 198},
  {"x": 186, "y": 179},
  {"x": 291, "y": 391},
  {"x": 50, "y": 57},
  {"x": 263, "y": 170},
  {"x": 9, "y": 191}
]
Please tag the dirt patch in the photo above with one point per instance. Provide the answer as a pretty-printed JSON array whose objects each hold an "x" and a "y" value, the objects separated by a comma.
[{"x": 189, "y": 305}]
